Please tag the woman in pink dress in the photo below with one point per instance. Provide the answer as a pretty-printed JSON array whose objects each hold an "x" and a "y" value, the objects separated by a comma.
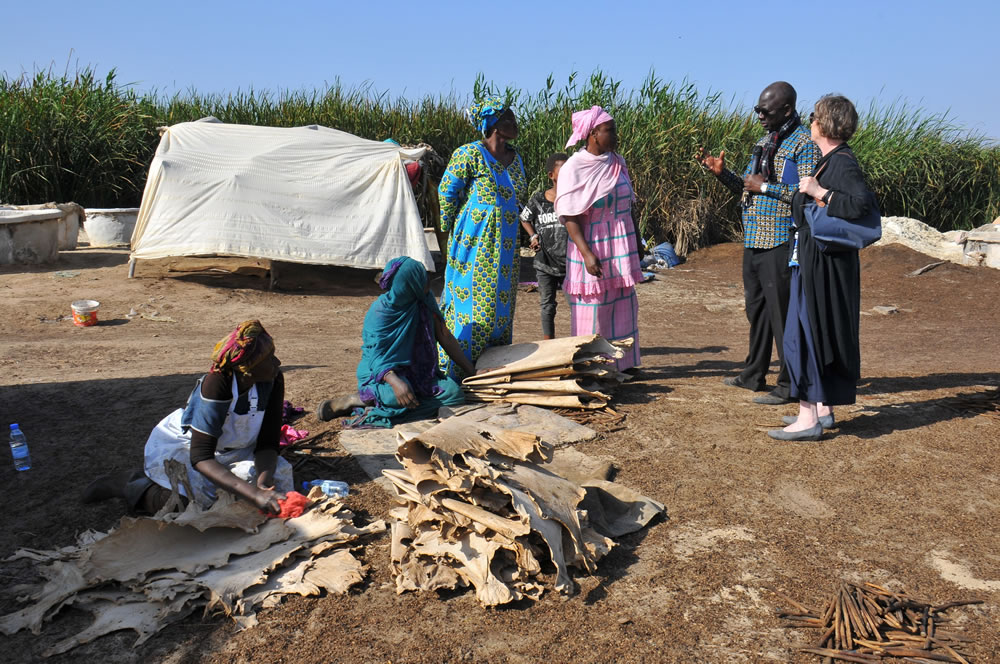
[{"x": 594, "y": 200}]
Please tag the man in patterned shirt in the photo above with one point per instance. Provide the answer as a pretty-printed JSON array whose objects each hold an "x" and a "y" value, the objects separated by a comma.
[{"x": 779, "y": 160}]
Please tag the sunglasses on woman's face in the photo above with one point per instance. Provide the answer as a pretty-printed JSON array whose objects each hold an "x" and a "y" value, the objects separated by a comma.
[{"x": 812, "y": 116}]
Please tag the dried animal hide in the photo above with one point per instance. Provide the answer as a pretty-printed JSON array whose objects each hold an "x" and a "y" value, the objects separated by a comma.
[
  {"x": 226, "y": 512},
  {"x": 615, "y": 510},
  {"x": 116, "y": 613},
  {"x": 570, "y": 372},
  {"x": 458, "y": 435},
  {"x": 480, "y": 507},
  {"x": 540, "y": 355},
  {"x": 544, "y": 399},
  {"x": 226, "y": 584},
  {"x": 64, "y": 579},
  {"x": 142, "y": 546},
  {"x": 562, "y": 386},
  {"x": 151, "y": 572},
  {"x": 551, "y": 428}
]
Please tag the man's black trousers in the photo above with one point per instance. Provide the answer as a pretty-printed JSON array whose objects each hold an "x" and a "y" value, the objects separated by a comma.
[{"x": 766, "y": 278}]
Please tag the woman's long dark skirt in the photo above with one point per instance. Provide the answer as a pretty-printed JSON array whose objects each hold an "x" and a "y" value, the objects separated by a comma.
[{"x": 807, "y": 381}]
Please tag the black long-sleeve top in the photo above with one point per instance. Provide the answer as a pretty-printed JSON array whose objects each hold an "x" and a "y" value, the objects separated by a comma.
[{"x": 832, "y": 282}]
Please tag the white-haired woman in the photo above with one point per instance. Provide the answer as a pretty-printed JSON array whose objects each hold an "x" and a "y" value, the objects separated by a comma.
[{"x": 821, "y": 345}]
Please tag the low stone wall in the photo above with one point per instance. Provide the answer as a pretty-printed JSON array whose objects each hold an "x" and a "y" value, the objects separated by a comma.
[{"x": 29, "y": 236}]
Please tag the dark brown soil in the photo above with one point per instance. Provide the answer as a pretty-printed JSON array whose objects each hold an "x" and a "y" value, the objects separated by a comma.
[{"x": 906, "y": 491}]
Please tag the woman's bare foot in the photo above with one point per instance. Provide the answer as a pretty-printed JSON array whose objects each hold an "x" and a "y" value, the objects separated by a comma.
[{"x": 806, "y": 420}]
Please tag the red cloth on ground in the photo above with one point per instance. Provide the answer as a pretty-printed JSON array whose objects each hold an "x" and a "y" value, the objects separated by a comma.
[
  {"x": 292, "y": 506},
  {"x": 290, "y": 435}
]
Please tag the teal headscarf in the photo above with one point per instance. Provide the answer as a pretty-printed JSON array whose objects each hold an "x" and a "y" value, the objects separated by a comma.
[
  {"x": 484, "y": 113},
  {"x": 398, "y": 332}
]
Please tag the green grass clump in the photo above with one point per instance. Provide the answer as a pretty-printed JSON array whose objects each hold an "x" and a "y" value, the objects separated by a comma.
[
  {"x": 91, "y": 141},
  {"x": 74, "y": 138},
  {"x": 924, "y": 166}
]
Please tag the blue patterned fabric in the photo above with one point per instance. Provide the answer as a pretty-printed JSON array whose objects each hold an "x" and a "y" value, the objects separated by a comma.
[
  {"x": 480, "y": 206},
  {"x": 767, "y": 222}
]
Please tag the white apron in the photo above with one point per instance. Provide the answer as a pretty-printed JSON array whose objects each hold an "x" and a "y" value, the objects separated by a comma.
[{"x": 234, "y": 450}]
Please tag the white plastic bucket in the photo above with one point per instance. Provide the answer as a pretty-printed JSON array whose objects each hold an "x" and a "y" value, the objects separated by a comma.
[{"x": 85, "y": 312}]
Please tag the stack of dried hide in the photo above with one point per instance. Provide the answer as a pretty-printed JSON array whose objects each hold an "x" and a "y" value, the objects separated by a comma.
[
  {"x": 570, "y": 372},
  {"x": 151, "y": 572},
  {"x": 481, "y": 507}
]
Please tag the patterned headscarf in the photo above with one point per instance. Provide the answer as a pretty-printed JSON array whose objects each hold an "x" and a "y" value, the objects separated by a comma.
[
  {"x": 484, "y": 113},
  {"x": 243, "y": 349}
]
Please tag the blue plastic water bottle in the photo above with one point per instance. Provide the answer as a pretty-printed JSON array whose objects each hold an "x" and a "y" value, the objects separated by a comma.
[
  {"x": 19, "y": 448},
  {"x": 332, "y": 488}
]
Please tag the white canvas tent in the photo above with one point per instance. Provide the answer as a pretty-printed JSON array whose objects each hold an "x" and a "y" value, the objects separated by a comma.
[{"x": 304, "y": 195}]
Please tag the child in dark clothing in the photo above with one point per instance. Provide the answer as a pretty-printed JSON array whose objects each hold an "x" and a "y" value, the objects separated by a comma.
[{"x": 548, "y": 239}]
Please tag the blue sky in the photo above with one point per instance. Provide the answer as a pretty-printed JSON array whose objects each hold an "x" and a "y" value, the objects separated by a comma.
[{"x": 940, "y": 56}]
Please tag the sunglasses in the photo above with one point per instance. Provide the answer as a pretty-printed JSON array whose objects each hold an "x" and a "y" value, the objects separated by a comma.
[
  {"x": 812, "y": 116},
  {"x": 760, "y": 110}
]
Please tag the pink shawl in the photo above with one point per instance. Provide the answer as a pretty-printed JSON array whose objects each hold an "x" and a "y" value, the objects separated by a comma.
[{"x": 585, "y": 178}]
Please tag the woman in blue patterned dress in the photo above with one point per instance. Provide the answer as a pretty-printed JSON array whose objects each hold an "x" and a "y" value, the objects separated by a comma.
[{"x": 480, "y": 197}]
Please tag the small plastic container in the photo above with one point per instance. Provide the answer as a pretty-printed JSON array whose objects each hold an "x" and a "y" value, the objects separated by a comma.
[
  {"x": 85, "y": 312},
  {"x": 331, "y": 488}
]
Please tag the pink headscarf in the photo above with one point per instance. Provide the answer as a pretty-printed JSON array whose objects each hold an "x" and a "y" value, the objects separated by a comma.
[{"x": 585, "y": 121}]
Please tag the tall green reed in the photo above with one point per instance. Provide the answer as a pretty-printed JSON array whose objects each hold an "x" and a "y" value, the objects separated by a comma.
[{"x": 78, "y": 137}]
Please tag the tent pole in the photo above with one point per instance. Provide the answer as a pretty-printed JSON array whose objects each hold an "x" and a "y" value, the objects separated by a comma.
[{"x": 131, "y": 268}]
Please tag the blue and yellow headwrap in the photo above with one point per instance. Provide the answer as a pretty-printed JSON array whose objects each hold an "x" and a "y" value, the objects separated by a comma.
[{"x": 484, "y": 113}]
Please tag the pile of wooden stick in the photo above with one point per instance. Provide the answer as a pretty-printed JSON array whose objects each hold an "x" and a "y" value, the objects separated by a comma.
[
  {"x": 986, "y": 403},
  {"x": 869, "y": 623},
  {"x": 604, "y": 419}
]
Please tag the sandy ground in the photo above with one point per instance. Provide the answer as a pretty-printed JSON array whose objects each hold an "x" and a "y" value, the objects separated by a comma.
[{"x": 906, "y": 491}]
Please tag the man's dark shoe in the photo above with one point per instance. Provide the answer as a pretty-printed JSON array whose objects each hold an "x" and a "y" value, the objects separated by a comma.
[
  {"x": 772, "y": 399},
  {"x": 736, "y": 381}
]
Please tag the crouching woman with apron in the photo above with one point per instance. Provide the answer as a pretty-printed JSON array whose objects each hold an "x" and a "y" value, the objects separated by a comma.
[{"x": 226, "y": 436}]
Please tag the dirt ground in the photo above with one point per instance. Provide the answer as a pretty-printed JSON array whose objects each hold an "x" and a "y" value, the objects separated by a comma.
[{"x": 905, "y": 492}]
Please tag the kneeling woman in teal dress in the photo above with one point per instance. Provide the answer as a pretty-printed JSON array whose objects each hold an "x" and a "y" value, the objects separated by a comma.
[
  {"x": 398, "y": 376},
  {"x": 480, "y": 195}
]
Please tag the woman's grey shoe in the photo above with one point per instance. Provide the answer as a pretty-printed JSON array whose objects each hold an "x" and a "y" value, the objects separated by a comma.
[
  {"x": 815, "y": 433},
  {"x": 825, "y": 421},
  {"x": 331, "y": 408},
  {"x": 324, "y": 411}
]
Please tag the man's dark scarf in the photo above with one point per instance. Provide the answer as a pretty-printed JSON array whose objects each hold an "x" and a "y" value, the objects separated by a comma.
[{"x": 771, "y": 144}]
